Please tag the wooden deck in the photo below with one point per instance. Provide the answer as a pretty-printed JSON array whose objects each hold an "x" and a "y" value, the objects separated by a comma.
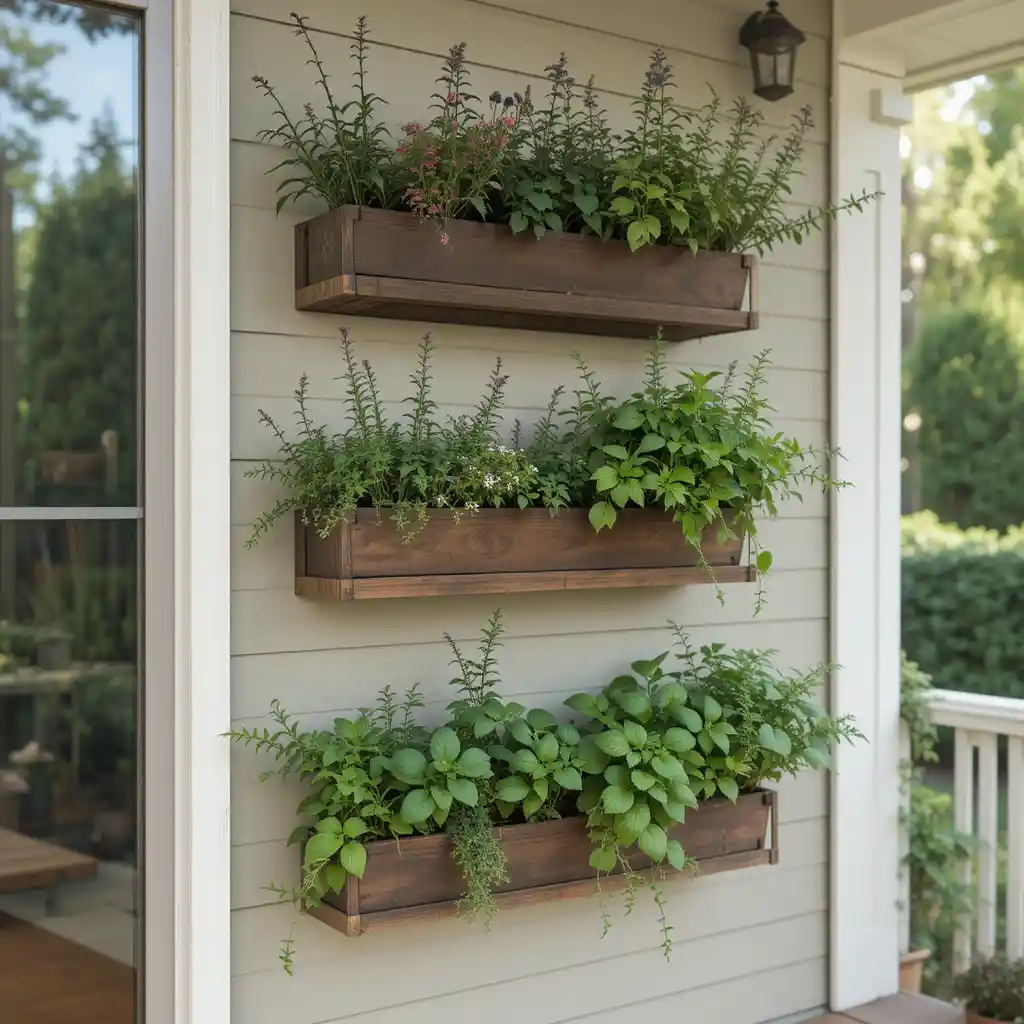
[
  {"x": 27, "y": 863},
  {"x": 901, "y": 1009}
]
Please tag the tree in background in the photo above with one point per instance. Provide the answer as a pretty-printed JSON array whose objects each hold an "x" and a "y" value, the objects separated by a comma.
[{"x": 966, "y": 383}]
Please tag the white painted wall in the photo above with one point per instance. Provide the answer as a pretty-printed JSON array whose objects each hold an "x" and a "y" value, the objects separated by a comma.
[{"x": 750, "y": 946}]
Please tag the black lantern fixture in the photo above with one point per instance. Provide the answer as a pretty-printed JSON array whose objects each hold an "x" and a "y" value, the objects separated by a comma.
[{"x": 772, "y": 42}]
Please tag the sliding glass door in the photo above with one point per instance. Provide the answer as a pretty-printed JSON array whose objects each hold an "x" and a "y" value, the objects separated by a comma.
[{"x": 71, "y": 512}]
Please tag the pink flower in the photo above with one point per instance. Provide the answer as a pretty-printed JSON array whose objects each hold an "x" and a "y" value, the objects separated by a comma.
[
  {"x": 444, "y": 238},
  {"x": 510, "y": 122}
]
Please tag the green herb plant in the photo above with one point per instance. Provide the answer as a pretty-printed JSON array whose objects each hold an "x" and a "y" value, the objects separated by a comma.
[
  {"x": 651, "y": 746},
  {"x": 993, "y": 988},
  {"x": 708, "y": 178},
  {"x": 701, "y": 449}
]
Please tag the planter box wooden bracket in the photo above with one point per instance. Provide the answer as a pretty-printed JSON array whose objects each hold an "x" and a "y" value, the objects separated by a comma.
[
  {"x": 385, "y": 263},
  {"x": 503, "y": 551},
  {"x": 417, "y": 879}
]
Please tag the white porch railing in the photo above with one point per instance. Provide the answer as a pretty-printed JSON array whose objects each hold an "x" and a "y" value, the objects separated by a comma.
[{"x": 979, "y": 721}]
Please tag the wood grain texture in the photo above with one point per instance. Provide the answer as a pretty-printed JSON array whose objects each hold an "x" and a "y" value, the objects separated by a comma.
[
  {"x": 27, "y": 863},
  {"x": 392, "y": 264},
  {"x": 503, "y": 550},
  {"x": 411, "y": 879}
]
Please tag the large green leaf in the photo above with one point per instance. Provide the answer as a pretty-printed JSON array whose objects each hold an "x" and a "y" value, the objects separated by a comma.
[
  {"x": 631, "y": 823},
  {"x": 613, "y": 742},
  {"x": 323, "y": 846},
  {"x": 408, "y": 765},
  {"x": 355, "y": 827},
  {"x": 568, "y": 778},
  {"x": 602, "y": 858},
  {"x": 642, "y": 780},
  {"x": 513, "y": 790},
  {"x": 679, "y": 740},
  {"x": 474, "y": 764},
  {"x": 675, "y": 854},
  {"x": 463, "y": 790},
  {"x": 654, "y": 842},
  {"x": 602, "y": 514},
  {"x": 444, "y": 745},
  {"x": 594, "y": 759},
  {"x": 353, "y": 858},
  {"x": 583, "y": 703},
  {"x": 635, "y": 734},
  {"x": 635, "y": 703},
  {"x": 686, "y": 717},
  {"x": 617, "y": 799},
  {"x": 538, "y": 718},
  {"x": 667, "y": 766},
  {"x": 546, "y": 747},
  {"x": 417, "y": 806},
  {"x": 525, "y": 761},
  {"x": 729, "y": 788},
  {"x": 442, "y": 797}
]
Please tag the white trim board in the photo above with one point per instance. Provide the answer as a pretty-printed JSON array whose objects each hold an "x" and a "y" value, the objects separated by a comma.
[
  {"x": 864, "y": 527},
  {"x": 202, "y": 515}
]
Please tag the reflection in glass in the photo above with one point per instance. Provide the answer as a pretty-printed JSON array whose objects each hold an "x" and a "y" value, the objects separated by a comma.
[
  {"x": 68, "y": 166},
  {"x": 69, "y": 392},
  {"x": 68, "y": 653}
]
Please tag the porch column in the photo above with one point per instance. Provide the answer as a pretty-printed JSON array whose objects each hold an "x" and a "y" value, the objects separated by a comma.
[{"x": 868, "y": 109}]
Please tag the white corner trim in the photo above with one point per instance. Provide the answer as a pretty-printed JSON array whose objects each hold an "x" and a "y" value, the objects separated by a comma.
[
  {"x": 202, "y": 513},
  {"x": 864, "y": 536},
  {"x": 891, "y": 106}
]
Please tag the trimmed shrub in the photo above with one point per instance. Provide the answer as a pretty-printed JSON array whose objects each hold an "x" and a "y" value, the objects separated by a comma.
[{"x": 963, "y": 605}]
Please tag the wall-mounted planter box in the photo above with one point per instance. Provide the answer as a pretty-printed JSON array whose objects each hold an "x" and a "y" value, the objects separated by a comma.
[
  {"x": 416, "y": 879},
  {"x": 389, "y": 264},
  {"x": 500, "y": 551}
]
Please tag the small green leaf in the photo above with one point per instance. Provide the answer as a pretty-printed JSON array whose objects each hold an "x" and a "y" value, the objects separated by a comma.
[
  {"x": 613, "y": 743},
  {"x": 635, "y": 703},
  {"x": 675, "y": 854},
  {"x": 764, "y": 561},
  {"x": 602, "y": 858},
  {"x": 782, "y": 743},
  {"x": 602, "y": 514},
  {"x": 650, "y": 443},
  {"x": 678, "y": 740},
  {"x": 322, "y": 846},
  {"x": 582, "y": 703},
  {"x": 636, "y": 235},
  {"x": 605, "y": 478},
  {"x": 520, "y": 732},
  {"x": 568, "y": 734},
  {"x": 539, "y": 200},
  {"x": 641, "y": 780},
  {"x": 584, "y": 203},
  {"x": 353, "y": 858},
  {"x": 355, "y": 827},
  {"x": 329, "y": 825},
  {"x": 532, "y": 804},
  {"x": 513, "y": 790},
  {"x": 687, "y": 717},
  {"x": 712, "y": 709},
  {"x": 518, "y": 222},
  {"x": 635, "y": 735},
  {"x": 617, "y": 800},
  {"x": 622, "y": 205},
  {"x": 593, "y": 221},
  {"x": 463, "y": 790},
  {"x": 525, "y": 761},
  {"x": 336, "y": 877},
  {"x": 444, "y": 745},
  {"x": 441, "y": 797},
  {"x": 667, "y": 766},
  {"x": 479, "y": 205},
  {"x": 729, "y": 789},
  {"x": 417, "y": 806},
  {"x": 627, "y": 418},
  {"x": 568, "y": 778},
  {"x": 553, "y": 221},
  {"x": 474, "y": 764},
  {"x": 595, "y": 760},
  {"x": 631, "y": 823},
  {"x": 541, "y": 719},
  {"x": 766, "y": 737},
  {"x": 546, "y": 748},
  {"x": 654, "y": 842},
  {"x": 299, "y": 835}
]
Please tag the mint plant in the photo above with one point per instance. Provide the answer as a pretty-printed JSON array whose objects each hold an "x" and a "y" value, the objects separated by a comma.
[{"x": 646, "y": 750}]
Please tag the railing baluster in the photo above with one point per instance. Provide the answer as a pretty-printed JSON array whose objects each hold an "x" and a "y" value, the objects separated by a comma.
[
  {"x": 963, "y": 811},
  {"x": 988, "y": 834},
  {"x": 1015, "y": 867}
]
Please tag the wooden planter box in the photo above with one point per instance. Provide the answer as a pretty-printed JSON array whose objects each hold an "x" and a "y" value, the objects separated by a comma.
[
  {"x": 500, "y": 551},
  {"x": 414, "y": 879},
  {"x": 385, "y": 263}
]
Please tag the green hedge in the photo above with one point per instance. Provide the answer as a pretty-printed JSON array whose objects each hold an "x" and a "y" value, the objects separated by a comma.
[{"x": 963, "y": 605}]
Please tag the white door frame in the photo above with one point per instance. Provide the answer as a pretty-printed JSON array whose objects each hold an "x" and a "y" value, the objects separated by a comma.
[{"x": 868, "y": 109}]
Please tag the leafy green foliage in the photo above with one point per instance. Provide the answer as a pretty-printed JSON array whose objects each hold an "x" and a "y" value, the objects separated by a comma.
[
  {"x": 701, "y": 179},
  {"x": 994, "y": 988},
  {"x": 706, "y": 455},
  {"x": 963, "y": 596},
  {"x": 965, "y": 379},
  {"x": 651, "y": 746}
]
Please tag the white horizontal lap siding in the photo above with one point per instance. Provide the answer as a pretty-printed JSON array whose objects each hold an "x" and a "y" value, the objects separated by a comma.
[{"x": 750, "y": 946}]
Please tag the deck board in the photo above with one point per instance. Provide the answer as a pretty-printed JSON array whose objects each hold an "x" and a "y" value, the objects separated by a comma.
[
  {"x": 27, "y": 863},
  {"x": 898, "y": 1009}
]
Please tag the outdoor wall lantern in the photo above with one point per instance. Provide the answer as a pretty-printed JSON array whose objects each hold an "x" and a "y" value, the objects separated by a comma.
[{"x": 772, "y": 42}]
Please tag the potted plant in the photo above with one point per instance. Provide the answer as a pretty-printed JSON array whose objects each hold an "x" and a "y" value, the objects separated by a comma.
[
  {"x": 660, "y": 488},
  {"x": 935, "y": 850},
  {"x": 532, "y": 212},
  {"x": 53, "y": 648},
  {"x": 992, "y": 991},
  {"x": 663, "y": 770}
]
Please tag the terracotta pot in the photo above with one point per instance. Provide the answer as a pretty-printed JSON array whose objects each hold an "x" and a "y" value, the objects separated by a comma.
[{"x": 911, "y": 968}]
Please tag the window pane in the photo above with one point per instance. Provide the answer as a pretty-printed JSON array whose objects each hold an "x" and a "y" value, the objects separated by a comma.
[
  {"x": 69, "y": 117},
  {"x": 68, "y": 772}
]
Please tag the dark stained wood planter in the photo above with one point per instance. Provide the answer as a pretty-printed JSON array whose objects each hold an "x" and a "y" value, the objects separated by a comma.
[
  {"x": 499, "y": 551},
  {"x": 416, "y": 879},
  {"x": 390, "y": 264}
]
